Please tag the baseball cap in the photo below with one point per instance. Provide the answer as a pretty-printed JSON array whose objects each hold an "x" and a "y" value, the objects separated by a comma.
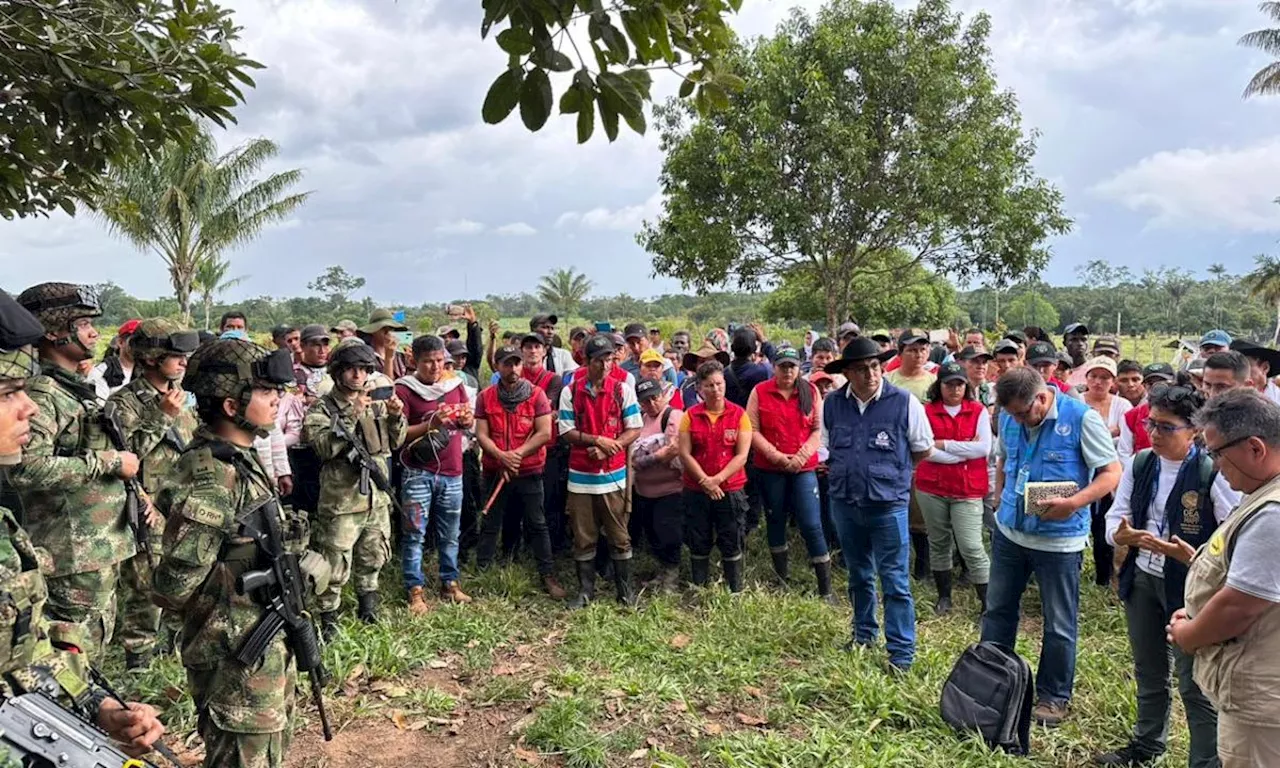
[
  {"x": 345, "y": 326},
  {"x": 635, "y": 331},
  {"x": 1042, "y": 352},
  {"x": 818, "y": 376},
  {"x": 882, "y": 336},
  {"x": 314, "y": 332},
  {"x": 1196, "y": 366},
  {"x": 846, "y": 329},
  {"x": 506, "y": 353},
  {"x": 456, "y": 348},
  {"x": 128, "y": 327},
  {"x": 1218, "y": 338},
  {"x": 952, "y": 372},
  {"x": 538, "y": 320},
  {"x": 1101, "y": 363},
  {"x": 648, "y": 388},
  {"x": 971, "y": 353},
  {"x": 447, "y": 330},
  {"x": 280, "y": 331},
  {"x": 532, "y": 338},
  {"x": 1107, "y": 342},
  {"x": 912, "y": 336},
  {"x": 1008, "y": 346},
  {"x": 617, "y": 339},
  {"x": 1075, "y": 328},
  {"x": 599, "y": 345},
  {"x": 577, "y": 332},
  {"x": 652, "y": 356},
  {"x": 789, "y": 355},
  {"x": 1161, "y": 371},
  {"x": 1017, "y": 336}
]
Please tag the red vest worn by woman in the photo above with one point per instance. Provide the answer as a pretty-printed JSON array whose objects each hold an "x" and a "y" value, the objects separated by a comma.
[
  {"x": 714, "y": 445},
  {"x": 782, "y": 423},
  {"x": 967, "y": 480},
  {"x": 511, "y": 429}
]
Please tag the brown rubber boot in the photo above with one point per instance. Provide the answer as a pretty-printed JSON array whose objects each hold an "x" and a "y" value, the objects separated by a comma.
[
  {"x": 452, "y": 593},
  {"x": 417, "y": 602},
  {"x": 553, "y": 588}
]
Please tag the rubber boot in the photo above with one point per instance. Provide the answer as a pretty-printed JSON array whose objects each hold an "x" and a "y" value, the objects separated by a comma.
[
  {"x": 138, "y": 660},
  {"x": 328, "y": 625},
  {"x": 920, "y": 543},
  {"x": 622, "y": 581},
  {"x": 942, "y": 580},
  {"x": 669, "y": 578},
  {"x": 367, "y": 607},
  {"x": 981, "y": 590},
  {"x": 586, "y": 584},
  {"x": 699, "y": 571},
  {"x": 780, "y": 566},
  {"x": 823, "y": 572},
  {"x": 604, "y": 560},
  {"x": 732, "y": 574}
]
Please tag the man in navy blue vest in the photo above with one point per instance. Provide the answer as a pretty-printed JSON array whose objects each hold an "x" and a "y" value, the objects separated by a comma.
[
  {"x": 1045, "y": 437},
  {"x": 875, "y": 433}
]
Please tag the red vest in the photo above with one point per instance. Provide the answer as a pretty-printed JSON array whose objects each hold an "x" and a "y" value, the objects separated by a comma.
[
  {"x": 782, "y": 423},
  {"x": 954, "y": 481},
  {"x": 714, "y": 445},
  {"x": 542, "y": 380},
  {"x": 510, "y": 430},
  {"x": 1133, "y": 419},
  {"x": 601, "y": 416}
]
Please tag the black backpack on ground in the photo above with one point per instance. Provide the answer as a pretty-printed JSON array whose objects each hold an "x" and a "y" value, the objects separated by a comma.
[{"x": 990, "y": 691}]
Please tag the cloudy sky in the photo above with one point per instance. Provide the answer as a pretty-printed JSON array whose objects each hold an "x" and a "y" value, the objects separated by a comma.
[{"x": 1137, "y": 101}]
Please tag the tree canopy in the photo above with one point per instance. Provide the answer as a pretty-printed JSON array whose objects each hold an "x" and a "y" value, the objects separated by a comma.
[
  {"x": 862, "y": 132},
  {"x": 87, "y": 82}
]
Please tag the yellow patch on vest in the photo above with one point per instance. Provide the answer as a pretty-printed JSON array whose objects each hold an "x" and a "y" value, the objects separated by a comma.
[{"x": 1215, "y": 543}]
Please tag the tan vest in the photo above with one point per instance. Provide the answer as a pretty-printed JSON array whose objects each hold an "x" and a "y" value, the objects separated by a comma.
[{"x": 1242, "y": 675}]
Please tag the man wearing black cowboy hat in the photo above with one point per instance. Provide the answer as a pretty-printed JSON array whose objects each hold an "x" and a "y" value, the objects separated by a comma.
[
  {"x": 1264, "y": 363},
  {"x": 874, "y": 434}
]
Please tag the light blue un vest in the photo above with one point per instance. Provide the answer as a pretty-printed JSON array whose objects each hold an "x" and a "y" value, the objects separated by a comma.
[{"x": 1054, "y": 455}]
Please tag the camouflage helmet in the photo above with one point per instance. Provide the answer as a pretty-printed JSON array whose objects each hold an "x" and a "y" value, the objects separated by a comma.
[
  {"x": 58, "y": 305},
  {"x": 19, "y": 330},
  {"x": 230, "y": 367},
  {"x": 351, "y": 352},
  {"x": 157, "y": 338}
]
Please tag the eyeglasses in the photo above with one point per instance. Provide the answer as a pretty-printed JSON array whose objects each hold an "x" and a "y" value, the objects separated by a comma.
[
  {"x": 1216, "y": 453},
  {"x": 1164, "y": 428}
]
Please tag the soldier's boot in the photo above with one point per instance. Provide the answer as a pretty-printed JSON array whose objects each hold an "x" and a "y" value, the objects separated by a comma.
[
  {"x": 553, "y": 588},
  {"x": 367, "y": 607},
  {"x": 418, "y": 602},
  {"x": 622, "y": 580},
  {"x": 328, "y": 625},
  {"x": 733, "y": 574},
  {"x": 452, "y": 593},
  {"x": 138, "y": 659},
  {"x": 823, "y": 573},
  {"x": 699, "y": 571},
  {"x": 942, "y": 580},
  {"x": 780, "y": 565},
  {"x": 586, "y": 584}
]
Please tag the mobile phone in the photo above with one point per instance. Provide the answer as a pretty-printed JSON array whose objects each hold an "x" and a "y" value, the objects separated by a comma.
[
  {"x": 604, "y": 327},
  {"x": 453, "y": 310},
  {"x": 382, "y": 393}
]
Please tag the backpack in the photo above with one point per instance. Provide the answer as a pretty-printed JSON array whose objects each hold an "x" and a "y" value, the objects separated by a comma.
[{"x": 990, "y": 691}]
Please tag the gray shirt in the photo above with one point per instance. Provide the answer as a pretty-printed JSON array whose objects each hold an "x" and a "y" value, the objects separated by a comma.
[{"x": 1255, "y": 569}]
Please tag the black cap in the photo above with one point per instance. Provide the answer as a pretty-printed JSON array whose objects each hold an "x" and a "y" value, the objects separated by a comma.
[
  {"x": 1161, "y": 371},
  {"x": 635, "y": 331},
  {"x": 952, "y": 372},
  {"x": 1042, "y": 352},
  {"x": 882, "y": 337},
  {"x": 972, "y": 353},
  {"x": 455, "y": 348},
  {"x": 599, "y": 345},
  {"x": 912, "y": 336},
  {"x": 1017, "y": 336},
  {"x": 1075, "y": 328},
  {"x": 532, "y": 338},
  {"x": 1006, "y": 345},
  {"x": 314, "y": 332},
  {"x": 538, "y": 320},
  {"x": 648, "y": 388},
  {"x": 505, "y": 353},
  {"x": 280, "y": 331}
]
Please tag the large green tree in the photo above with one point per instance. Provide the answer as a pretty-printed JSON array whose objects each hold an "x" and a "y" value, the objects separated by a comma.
[
  {"x": 86, "y": 82},
  {"x": 861, "y": 132},
  {"x": 189, "y": 204},
  {"x": 211, "y": 281},
  {"x": 564, "y": 290},
  {"x": 1264, "y": 283}
]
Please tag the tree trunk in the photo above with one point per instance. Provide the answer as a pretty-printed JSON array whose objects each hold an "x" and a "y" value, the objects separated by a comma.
[
  {"x": 1276, "y": 339},
  {"x": 208, "y": 310},
  {"x": 829, "y": 290}
]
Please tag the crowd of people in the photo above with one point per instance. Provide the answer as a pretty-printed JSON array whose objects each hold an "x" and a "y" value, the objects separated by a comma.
[{"x": 1006, "y": 458}]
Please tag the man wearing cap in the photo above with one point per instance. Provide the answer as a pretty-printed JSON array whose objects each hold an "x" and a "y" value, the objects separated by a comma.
[
  {"x": 913, "y": 354},
  {"x": 875, "y": 434},
  {"x": 1044, "y": 358},
  {"x": 1075, "y": 341},
  {"x": 311, "y": 368},
  {"x": 116, "y": 369},
  {"x": 558, "y": 360},
  {"x": 381, "y": 334},
  {"x": 1133, "y": 435},
  {"x": 71, "y": 480},
  {"x": 637, "y": 340},
  {"x": 1214, "y": 341},
  {"x": 1045, "y": 437},
  {"x": 654, "y": 366},
  {"x": 288, "y": 338},
  {"x": 513, "y": 427},
  {"x": 655, "y": 494},
  {"x": 1107, "y": 346},
  {"x": 847, "y": 332},
  {"x": 1264, "y": 363},
  {"x": 599, "y": 419},
  {"x": 786, "y": 426},
  {"x": 344, "y": 328}
]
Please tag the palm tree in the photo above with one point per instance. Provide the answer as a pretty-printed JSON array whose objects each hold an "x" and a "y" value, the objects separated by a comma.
[
  {"x": 564, "y": 290},
  {"x": 1264, "y": 283},
  {"x": 1267, "y": 79},
  {"x": 210, "y": 282},
  {"x": 1219, "y": 272},
  {"x": 189, "y": 204}
]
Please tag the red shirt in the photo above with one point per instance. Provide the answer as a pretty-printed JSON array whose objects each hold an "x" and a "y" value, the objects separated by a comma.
[{"x": 417, "y": 410}]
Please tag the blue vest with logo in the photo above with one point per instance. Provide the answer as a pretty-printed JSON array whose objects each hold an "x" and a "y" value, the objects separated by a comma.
[
  {"x": 1054, "y": 455},
  {"x": 870, "y": 457}
]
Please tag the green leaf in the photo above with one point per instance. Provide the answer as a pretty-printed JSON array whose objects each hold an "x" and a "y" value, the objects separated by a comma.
[
  {"x": 570, "y": 100},
  {"x": 502, "y": 97},
  {"x": 634, "y": 24},
  {"x": 616, "y": 42},
  {"x": 627, "y": 97},
  {"x": 535, "y": 99},
  {"x": 686, "y": 88},
  {"x": 608, "y": 113},
  {"x": 586, "y": 121},
  {"x": 516, "y": 41}
]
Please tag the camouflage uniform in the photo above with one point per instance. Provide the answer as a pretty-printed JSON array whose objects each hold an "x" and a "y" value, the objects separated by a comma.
[
  {"x": 352, "y": 530},
  {"x": 73, "y": 504},
  {"x": 158, "y": 439},
  {"x": 245, "y": 712}
]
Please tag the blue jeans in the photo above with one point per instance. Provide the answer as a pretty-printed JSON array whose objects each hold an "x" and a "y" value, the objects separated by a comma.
[
  {"x": 1058, "y": 577},
  {"x": 422, "y": 494},
  {"x": 784, "y": 493},
  {"x": 873, "y": 538}
]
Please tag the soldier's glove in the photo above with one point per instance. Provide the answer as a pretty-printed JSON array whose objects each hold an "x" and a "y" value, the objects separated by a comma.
[{"x": 316, "y": 567}]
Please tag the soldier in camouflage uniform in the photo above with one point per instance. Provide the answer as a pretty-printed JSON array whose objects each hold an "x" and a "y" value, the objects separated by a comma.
[
  {"x": 157, "y": 426},
  {"x": 245, "y": 713},
  {"x": 352, "y": 528},
  {"x": 29, "y": 661},
  {"x": 71, "y": 483}
]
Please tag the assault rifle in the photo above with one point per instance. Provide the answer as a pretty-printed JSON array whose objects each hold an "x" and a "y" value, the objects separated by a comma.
[
  {"x": 371, "y": 469},
  {"x": 281, "y": 590},
  {"x": 133, "y": 504},
  {"x": 36, "y": 731}
]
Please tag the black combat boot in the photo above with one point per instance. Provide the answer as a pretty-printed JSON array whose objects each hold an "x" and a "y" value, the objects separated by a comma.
[
  {"x": 733, "y": 574},
  {"x": 942, "y": 580},
  {"x": 367, "y": 607},
  {"x": 981, "y": 589},
  {"x": 328, "y": 625},
  {"x": 780, "y": 566},
  {"x": 822, "y": 571},
  {"x": 138, "y": 660},
  {"x": 699, "y": 571},
  {"x": 586, "y": 584}
]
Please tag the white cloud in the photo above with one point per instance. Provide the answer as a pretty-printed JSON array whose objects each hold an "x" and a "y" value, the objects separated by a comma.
[
  {"x": 460, "y": 227},
  {"x": 516, "y": 229},
  {"x": 627, "y": 219},
  {"x": 1228, "y": 188}
]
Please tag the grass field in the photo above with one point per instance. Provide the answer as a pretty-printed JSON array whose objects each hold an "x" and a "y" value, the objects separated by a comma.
[{"x": 700, "y": 679}]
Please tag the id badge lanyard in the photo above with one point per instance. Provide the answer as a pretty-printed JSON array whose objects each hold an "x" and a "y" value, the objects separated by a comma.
[
  {"x": 1156, "y": 559},
  {"x": 1024, "y": 464}
]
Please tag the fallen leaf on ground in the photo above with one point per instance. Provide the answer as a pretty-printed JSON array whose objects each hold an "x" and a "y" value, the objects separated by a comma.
[
  {"x": 528, "y": 755},
  {"x": 505, "y": 670},
  {"x": 753, "y": 692},
  {"x": 713, "y": 729},
  {"x": 417, "y": 725},
  {"x": 173, "y": 693},
  {"x": 752, "y": 720},
  {"x": 437, "y": 664},
  {"x": 615, "y": 693},
  {"x": 399, "y": 719},
  {"x": 639, "y": 754},
  {"x": 355, "y": 674},
  {"x": 678, "y": 706},
  {"x": 538, "y": 685},
  {"x": 681, "y": 641},
  {"x": 874, "y": 725},
  {"x": 519, "y": 726},
  {"x": 524, "y": 650}
]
